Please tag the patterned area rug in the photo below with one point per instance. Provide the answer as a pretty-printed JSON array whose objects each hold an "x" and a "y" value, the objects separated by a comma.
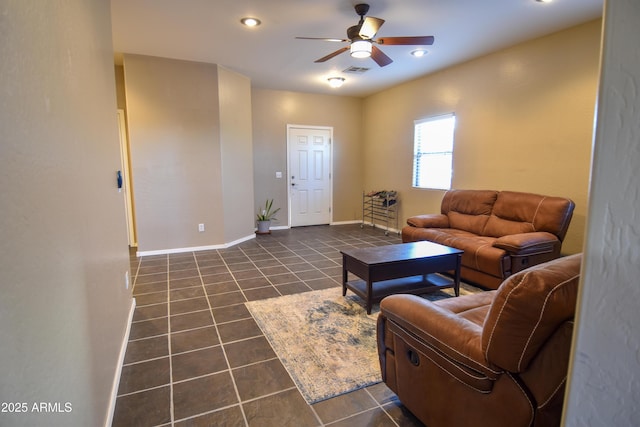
[{"x": 326, "y": 342}]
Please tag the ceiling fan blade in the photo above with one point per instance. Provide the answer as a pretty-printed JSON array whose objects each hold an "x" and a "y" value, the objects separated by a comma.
[
  {"x": 380, "y": 57},
  {"x": 323, "y": 39},
  {"x": 331, "y": 55},
  {"x": 370, "y": 27},
  {"x": 418, "y": 40}
]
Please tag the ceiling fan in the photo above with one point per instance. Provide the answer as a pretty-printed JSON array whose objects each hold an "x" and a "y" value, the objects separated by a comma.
[{"x": 361, "y": 39}]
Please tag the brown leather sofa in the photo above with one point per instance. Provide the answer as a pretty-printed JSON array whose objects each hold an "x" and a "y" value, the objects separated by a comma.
[
  {"x": 496, "y": 358},
  {"x": 501, "y": 232}
]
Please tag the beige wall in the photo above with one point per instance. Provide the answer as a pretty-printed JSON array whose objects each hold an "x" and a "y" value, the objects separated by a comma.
[
  {"x": 272, "y": 112},
  {"x": 184, "y": 131},
  {"x": 524, "y": 122},
  {"x": 63, "y": 242},
  {"x": 236, "y": 154},
  {"x": 120, "y": 91}
]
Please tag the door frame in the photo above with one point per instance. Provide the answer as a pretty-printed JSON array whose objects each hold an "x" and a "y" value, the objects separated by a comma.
[
  {"x": 330, "y": 129},
  {"x": 126, "y": 171}
]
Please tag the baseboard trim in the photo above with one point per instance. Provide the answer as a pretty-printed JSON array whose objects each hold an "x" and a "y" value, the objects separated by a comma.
[
  {"x": 194, "y": 248},
  {"x": 355, "y": 221},
  {"x": 116, "y": 380},
  {"x": 244, "y": 239}
]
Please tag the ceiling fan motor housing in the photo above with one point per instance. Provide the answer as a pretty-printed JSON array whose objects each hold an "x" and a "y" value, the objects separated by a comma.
[
  {"x": 361, "y": 9},
  {"x": 353, "y": 33}
]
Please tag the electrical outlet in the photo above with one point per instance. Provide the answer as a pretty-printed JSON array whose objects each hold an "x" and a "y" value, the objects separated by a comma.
[
  {"x": 126, "y": 279},
  {"x": 201, "y": 227}
]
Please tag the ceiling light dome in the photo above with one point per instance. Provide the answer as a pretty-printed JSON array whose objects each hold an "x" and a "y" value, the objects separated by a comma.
[
  {"x": 419, "y": 52},
  {"x": 361, "y": 49},
  {"x": 335, "y": 82},
  {"x": 250, "y": 22}
]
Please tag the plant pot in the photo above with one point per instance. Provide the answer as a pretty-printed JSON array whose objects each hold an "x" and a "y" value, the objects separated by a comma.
[{"x": 263, "y": 227}]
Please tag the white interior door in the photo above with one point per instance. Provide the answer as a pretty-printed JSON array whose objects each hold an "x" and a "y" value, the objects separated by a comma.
[{"x": 309, "y": 150}]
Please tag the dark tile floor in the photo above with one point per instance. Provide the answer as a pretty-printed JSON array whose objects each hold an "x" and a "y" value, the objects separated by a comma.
[{"x": 196, "y": 357}]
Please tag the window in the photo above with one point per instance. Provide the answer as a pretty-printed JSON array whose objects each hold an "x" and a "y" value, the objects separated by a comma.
[{"x": 433, "y": 152}]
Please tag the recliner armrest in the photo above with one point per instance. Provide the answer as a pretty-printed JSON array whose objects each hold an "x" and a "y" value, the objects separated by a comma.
[
  {"x": 527, "y": 243},
  {"x": 429, "y": 221},
  {"x": 436, "y": 328}
]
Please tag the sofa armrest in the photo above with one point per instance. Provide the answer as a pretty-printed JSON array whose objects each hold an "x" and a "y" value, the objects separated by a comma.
[
  {"x": 429, "y": 221},
  {"x": 441, "y": 333},
  {"x": 527, "y": 243}
]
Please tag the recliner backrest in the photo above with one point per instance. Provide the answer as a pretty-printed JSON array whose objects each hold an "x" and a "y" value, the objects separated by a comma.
[
  {"x": 468, "y": 210},
  {"x": 515, "y": 212},
  {"x": 529, "y": 306}
]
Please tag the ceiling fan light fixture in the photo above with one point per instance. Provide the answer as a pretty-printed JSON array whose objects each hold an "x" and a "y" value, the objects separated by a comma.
[
  {"x": 418, "y": 53},
  {"x": 250, "y": 22},
  {"x": 335, "y": 82},
  {"x": 361, "y": 49}
]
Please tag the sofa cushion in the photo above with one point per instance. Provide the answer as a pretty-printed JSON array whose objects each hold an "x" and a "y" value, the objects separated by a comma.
[
  {"x": 515, "y": 213},
  {"x": 472, "y": 202},
  {"x": 528, "y": 307},
  {"x": 479, "y": 252},
  {"x": 472, "y": 223},
  {"x": 498, "y": 227},
  {"x": 473, "y": 307},
  {"x": 429, "y": 220},
  {"x": 468, "y": 210}
]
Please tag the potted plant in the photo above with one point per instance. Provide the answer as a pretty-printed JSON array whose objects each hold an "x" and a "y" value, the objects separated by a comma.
[{"x": 265, "y": 216}]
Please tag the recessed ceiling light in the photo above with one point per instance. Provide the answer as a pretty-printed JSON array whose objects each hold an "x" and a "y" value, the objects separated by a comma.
[
  {"x": 544, "y": 1},
  {"x": 250, "y": 22},
  {"x": 335, "y": 82},
  {"x": 419, "y": 52}
]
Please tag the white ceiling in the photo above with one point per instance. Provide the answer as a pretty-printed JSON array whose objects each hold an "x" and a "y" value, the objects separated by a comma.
[{"x": 210, "y": 31}]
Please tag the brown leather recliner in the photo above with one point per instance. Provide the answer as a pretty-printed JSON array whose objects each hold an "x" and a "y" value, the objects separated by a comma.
[
  {"x": 500, "y": 232},
  {"x": 496, "y": 358}
]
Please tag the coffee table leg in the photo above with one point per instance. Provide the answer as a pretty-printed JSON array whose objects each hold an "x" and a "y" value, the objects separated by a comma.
[
  {"x": 369, "y": 296},
  {"x": 344, "y": 275},
  {"x": 456, "y": 279}
]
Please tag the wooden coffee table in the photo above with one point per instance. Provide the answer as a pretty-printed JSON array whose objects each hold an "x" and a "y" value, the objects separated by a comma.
[{"x": 402, "y": 268}]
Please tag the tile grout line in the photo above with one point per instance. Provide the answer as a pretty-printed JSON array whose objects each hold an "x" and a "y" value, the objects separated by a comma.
[
  {"x": 143, "y": 390},
  {"x": 320, "y": 270},
  {"x": 278, "y": 251},
  {"x": 381, "y": 406},
  {"x": 152, "y": 359},
  {"x": 135, "y": 278},
  {"x": 293, "y": 272},
  {"x": 320, "y": 253},
  {"x": 134, "y": 281},
  {"x": 260, "y": 270},
  {"x": 321, "y": 424},
  {"x": 215, "y": 324},
  {"x": 213, "y": 411},
  {"x": 313, "y": 266},
  {"x": 315, "y": 413},
  {"x": 171, "y": 408}
]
